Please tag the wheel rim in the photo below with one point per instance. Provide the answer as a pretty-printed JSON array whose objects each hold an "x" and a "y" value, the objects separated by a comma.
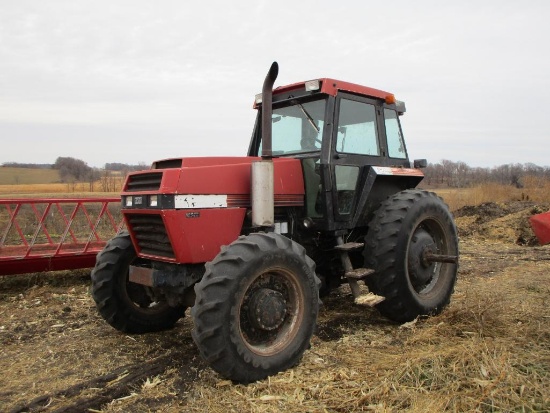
[
  {"x": 428, "y": 237},
  {"x": 271, "y": 311}
]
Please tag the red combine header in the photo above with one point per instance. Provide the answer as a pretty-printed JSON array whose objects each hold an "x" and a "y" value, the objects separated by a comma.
[{"x": 55, "y": 234}]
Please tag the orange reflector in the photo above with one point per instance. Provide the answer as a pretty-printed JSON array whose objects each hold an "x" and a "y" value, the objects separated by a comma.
[{"x": 390, "y": 99}]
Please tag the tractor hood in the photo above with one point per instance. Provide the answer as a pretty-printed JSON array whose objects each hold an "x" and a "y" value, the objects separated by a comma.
[
  {"x": 213, "y": 176},
  {"x": 183, "y": 210}
]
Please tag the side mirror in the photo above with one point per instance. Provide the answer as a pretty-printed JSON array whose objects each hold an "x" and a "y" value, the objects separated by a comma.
[{"x": 420, "y": 163}]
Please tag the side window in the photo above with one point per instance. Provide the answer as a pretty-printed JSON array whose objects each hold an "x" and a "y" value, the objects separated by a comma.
[
  {"x": 346, "y": 181},
  {"x": 312, "y": 181},
  {"x": 357, "y": 128},
  {"x": 396, "y": 146}
]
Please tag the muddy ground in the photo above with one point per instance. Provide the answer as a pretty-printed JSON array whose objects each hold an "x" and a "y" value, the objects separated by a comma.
[{"x": 489, "y": 351}]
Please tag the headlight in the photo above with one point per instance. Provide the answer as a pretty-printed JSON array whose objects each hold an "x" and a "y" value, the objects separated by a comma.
[
  {"x": 312, "y": 85},
  {"x": 128, "y": 201},
  {"x": 153, "y": 200}
]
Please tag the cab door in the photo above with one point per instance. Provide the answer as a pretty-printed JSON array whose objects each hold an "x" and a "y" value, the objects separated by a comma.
[{"x": 356, "y": 144}]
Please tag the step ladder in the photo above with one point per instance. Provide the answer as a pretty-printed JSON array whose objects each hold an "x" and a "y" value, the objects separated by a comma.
[{"x": 353, "y": 275}]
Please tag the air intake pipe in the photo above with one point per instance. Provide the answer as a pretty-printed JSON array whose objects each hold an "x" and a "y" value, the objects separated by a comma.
[{"x": 263, "y": 206}]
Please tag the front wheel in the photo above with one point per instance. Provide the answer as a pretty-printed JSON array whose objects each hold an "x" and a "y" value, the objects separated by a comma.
[
  {"x": 256, "y": 307},
  {"x": 127, "y": 306},
  {"x": 411, "y": 244}
]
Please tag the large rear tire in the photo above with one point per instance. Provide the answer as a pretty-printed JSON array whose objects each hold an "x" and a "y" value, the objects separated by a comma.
[
  {"x": 125, "y": 305},
  {"x": 256, "y": 307},
  {"x": 405, "y": 230}
]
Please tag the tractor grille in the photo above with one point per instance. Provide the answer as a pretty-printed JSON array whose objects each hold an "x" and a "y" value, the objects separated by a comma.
[
  {"x": 151, "y": 235},
  {"x": 144, "y": 182}
]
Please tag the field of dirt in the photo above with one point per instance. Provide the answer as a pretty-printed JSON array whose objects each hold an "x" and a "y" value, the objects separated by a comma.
[{"x": 488, "y": 351}]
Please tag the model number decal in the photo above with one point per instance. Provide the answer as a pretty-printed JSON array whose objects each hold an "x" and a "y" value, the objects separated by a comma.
[
  {"x": 193, "y": 214},
  {"x": 200, "y": 201}
]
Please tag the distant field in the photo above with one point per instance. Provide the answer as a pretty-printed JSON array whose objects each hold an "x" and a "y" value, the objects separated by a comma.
[
  {"x": 23, "y": 176},
  {"x": 458, "y": 197},
  {"x": 21, "y": 182}
]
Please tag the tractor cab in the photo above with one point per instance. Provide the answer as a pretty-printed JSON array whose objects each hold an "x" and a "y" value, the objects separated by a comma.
[{"x": 349, "y": 140}]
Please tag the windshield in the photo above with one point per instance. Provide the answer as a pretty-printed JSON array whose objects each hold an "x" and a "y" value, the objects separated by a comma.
[{"x": 297, "y": 127}]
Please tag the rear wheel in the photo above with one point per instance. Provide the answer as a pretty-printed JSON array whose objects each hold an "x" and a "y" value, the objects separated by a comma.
[
  {"x": 409, "y": 237},
  {"x": 256, "y": 307},
  {"x": 127, "y": 306}
]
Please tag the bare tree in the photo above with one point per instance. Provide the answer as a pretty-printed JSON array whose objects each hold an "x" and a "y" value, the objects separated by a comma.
[{"x": 71, "y": 168}]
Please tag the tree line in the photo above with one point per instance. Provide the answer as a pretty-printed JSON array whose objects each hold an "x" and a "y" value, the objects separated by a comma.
[
  {"x": 69, "y": 164},
  {"x": 444, "y": 173},
  {"x": 27, "y": 165},
  {"x": 73, "y": 170},
  {"x": 460, "y": 175}
]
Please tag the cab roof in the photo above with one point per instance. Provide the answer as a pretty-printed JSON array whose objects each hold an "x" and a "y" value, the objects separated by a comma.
[{"x": 332, "y": 86}]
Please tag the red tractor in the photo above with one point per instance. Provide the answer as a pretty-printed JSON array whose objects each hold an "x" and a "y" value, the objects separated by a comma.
[{"x": 325, "y": 196}]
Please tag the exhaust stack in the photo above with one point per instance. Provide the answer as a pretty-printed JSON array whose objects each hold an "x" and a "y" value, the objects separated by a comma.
[
  {"x": 263, "y": 204},
  {"x": 267, "y": 110}
]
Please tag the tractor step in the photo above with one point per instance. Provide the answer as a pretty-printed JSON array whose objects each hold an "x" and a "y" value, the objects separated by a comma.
[
  {"x": 369, "y": 300},
  {"x": 359, "y": 273},
  {"x": 349, "y": 246}
]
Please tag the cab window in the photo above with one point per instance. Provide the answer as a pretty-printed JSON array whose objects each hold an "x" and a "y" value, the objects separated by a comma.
[
  {"x": 297, "y": 128},
  {"x": 346, "y": 182},
  {"x": 357, "y": 132},
  {"x": 396, "y": 145}
]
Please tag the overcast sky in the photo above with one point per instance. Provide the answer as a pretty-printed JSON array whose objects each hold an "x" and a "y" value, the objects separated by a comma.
[{"x": 134, "y": 81}]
